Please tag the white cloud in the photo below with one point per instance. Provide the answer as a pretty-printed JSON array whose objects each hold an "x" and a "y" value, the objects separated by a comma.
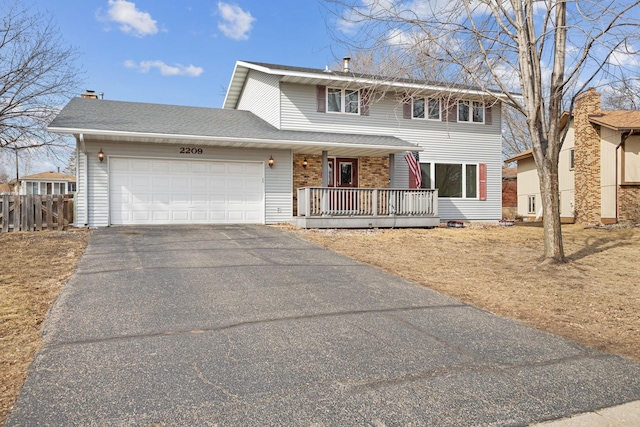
[
  {"x": 131, "y": 20},
  {"x": 236, "y": 22},
  {"x": 165, "y": 69},
  {"x": 625, "y": 58}
]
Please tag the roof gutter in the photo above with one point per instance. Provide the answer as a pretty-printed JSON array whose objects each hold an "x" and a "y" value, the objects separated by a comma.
[{"x": 128, "y": 134}]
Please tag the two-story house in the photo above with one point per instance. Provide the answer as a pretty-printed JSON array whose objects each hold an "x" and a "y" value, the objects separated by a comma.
[{"x": 290, "y": 144}]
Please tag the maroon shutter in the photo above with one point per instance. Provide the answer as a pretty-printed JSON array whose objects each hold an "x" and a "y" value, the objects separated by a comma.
[
  {"x": 452, "y": 111},
  {"x": 365, "y": 101},
  {"x": 482, "y": 174},
  {"x": 487, "y": 115},
  {"x": 406, "y": 109},
  {"x": 321, "y": 97}
]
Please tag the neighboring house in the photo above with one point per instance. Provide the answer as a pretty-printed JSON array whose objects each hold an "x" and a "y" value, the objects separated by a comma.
[
  {"x": 44, "y": 183},
  {"x": 281, "y": 131},
  {"x": 598, "y": 169}
]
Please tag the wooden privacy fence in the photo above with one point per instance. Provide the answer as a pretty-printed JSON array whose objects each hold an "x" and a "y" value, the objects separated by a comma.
[{"x": 35, "y": 212}]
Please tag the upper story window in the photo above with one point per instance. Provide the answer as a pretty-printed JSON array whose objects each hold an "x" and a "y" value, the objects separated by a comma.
[
  {"x": 343, "y": 100},
  {"x": 470, "y": 111},
  {"x": 428, "y": 108}
]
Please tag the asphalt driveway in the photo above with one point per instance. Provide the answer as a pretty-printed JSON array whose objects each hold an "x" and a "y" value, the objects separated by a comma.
[{"x": 251, "y": 325}]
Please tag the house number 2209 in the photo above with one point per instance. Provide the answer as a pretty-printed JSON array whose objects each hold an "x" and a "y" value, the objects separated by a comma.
[{"x": 190, "y": 150}]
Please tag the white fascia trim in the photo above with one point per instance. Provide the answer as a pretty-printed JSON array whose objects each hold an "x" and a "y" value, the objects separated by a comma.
[{"x": 126, "y": 134}]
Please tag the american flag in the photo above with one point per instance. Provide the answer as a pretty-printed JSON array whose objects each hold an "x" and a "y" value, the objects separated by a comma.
[{"x": 414, "y": 167}]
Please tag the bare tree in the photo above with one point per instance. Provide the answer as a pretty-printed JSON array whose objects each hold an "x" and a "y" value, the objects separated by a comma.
[
  {"x": 37, "y": 77},
  {"x": 624, "y": 95},
  {"x": 515, "y": 133},
  {"x": 547, "y": 50}
]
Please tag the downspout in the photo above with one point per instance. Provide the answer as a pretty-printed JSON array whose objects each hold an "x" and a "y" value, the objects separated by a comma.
[
  {"x": 623, "y": 139},
  {"x": 86, "y": 178}
]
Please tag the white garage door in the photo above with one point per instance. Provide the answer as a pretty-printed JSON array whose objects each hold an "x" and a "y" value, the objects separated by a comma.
[{"x": 158, "y": 191}]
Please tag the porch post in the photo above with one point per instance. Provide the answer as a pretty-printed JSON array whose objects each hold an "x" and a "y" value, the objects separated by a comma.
[
  {"x": 392, "y": 170},
  {"x": 325, "y": 168}
]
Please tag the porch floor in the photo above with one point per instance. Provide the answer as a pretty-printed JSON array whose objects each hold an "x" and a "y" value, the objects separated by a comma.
[{"x": 366, "y": 221}]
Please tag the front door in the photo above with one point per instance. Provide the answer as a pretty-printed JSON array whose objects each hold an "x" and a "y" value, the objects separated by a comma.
[{"x": 343, "y": 172}]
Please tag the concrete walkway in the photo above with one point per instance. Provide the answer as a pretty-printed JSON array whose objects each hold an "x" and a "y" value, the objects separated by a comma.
[{"x": 253, "y": 326}]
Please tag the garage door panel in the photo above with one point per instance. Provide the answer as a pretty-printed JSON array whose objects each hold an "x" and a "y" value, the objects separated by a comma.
[
  {"x": 138, "y": 165},
  {"x": 147, "y": 191}
]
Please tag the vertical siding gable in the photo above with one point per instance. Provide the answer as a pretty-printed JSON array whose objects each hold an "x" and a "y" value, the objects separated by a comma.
[{"x": 261, "y": 96}]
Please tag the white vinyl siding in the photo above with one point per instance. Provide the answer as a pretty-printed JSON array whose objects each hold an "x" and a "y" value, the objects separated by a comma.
[
  {"x": 528, "y": 185},
  {"x": 80, "y": 200},
  {"x": 261, "y": 96},
  {"x": 278, "y": 180},
  {"x": 442, "y": 142}
]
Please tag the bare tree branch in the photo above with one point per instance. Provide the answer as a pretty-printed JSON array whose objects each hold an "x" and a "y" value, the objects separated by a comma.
[{"x": 37, "y": 77}]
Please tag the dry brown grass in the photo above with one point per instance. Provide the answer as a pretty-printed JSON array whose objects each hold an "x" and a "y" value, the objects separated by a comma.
[
  {"x": 594, "y": 299},
  {"x": 33, "y": 269}
]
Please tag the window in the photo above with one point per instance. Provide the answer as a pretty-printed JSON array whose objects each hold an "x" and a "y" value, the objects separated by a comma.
[
  {"x": 571, "y": 159},
  {"x": 426, "y": 108},
  {"x": 470, "y": 112},
  {"x": 71, "y": 187},
  {"x": 532, "y": 204},
  {"x": 451, "y": 179},
  {"x": 343, "y": 101}
]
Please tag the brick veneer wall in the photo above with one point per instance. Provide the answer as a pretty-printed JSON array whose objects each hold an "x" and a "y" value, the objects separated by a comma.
[
  {"x": 373, "y": 172},
  {"x": 587, "y": 159},
  {"x": 629, "y": 203}
]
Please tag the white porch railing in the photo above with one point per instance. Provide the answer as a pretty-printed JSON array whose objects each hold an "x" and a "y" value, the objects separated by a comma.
[{"x": 341, "y": 202}]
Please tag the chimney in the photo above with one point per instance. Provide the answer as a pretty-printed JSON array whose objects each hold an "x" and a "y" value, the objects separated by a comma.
[
  {"x": 587, "y": 174},
  {"x": 89, "y": 94},
  {"x": 345, "y": 64}
]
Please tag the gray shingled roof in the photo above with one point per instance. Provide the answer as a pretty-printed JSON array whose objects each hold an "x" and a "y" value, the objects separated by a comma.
[
  {"x": 374, "y": 77},
  {"x": 94, "y": 115}
]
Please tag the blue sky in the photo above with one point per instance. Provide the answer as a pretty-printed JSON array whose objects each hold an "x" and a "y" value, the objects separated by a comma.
[{"x": 183, "y": 52}]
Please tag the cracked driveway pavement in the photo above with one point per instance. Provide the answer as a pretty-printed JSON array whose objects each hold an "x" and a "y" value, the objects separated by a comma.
[{"x": 252, "y": 325}]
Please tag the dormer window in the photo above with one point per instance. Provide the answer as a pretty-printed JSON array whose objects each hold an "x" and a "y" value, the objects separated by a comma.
[
  {"x": 426, "y": 108},
  {"x": 343, "y": 100}
]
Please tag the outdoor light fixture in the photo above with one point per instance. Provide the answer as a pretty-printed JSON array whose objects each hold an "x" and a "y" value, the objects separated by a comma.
[
  {"x": 305, "y": 163},
  {"x": 271, "y": 161},
  {"x": 101, "y": 155}
]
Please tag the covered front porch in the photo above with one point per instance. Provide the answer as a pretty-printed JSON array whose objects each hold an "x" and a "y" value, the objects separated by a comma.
[{"x": 326, "y": 207}]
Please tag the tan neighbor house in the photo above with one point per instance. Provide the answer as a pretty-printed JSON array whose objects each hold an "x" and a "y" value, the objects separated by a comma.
[
  {"x": 598, "y": 170},
  {"x": 44, "y": 183}
]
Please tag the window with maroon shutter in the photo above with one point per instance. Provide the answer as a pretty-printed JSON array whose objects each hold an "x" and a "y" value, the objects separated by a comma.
[
  {"x": 450, "y": 107},
  {"x": 406, "y": 109},
  {"x": 321, "y": 97},
  {"x": 487, "y": 115},
  {"x": 482, "y": 172},
  {"x": 365, "y": 100}
]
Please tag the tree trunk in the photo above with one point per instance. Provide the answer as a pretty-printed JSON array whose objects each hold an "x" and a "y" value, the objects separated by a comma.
[{"x": 553, "y": 249}]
